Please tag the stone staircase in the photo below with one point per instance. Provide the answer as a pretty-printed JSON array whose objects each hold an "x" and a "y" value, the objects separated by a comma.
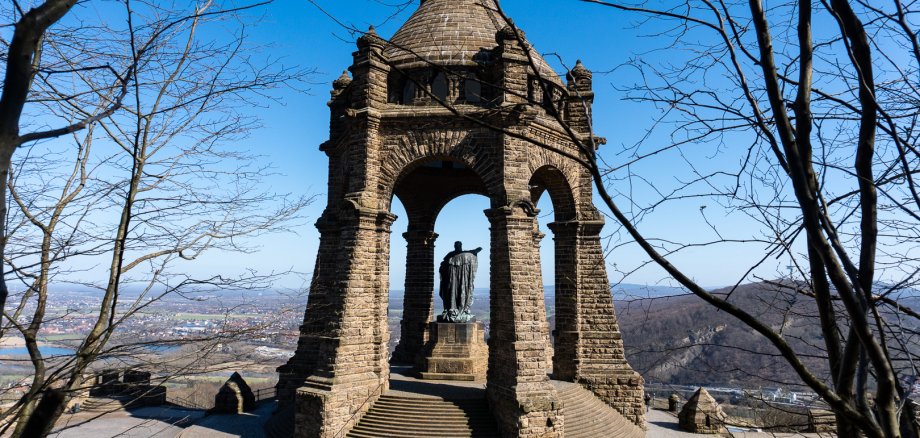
[
  {"x": 397, "y": 416},
  {"x": 105, "y": 404},
  {"x": 586, "y": 416},
  {"x": 405, "y": 416}
]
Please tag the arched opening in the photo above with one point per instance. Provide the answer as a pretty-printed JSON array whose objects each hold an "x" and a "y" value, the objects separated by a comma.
[
  {"x": 462, "y": 220},
  {"x": 398, "y": 257},
  {"x": 558, "y": 258},
  {"x": 396, "y": 87},
  {"x": 439, "y": 87},
  {"x": 434, "y": 191},
  {"x": 472, "y": 90},
  {"x": 547, "y": 249}
]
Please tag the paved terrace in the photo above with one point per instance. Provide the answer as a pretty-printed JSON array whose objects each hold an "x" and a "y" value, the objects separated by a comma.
[{"x": 184, "y": 423}]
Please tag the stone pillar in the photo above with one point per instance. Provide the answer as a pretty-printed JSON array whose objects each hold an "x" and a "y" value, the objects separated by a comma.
[
  {"x": 524, "y": 402},
  {"x": 351, "y": 364},
  {"x": 674, "y": 403},
  {"x": 600, "y": 362},
  {"x": 456, "y": 87},
  {"x": 566, "y": 334},
  {"x": 317, "y": 318},
  {"x": 422, "y": 80},
  {"x": 418, "y": 305}
]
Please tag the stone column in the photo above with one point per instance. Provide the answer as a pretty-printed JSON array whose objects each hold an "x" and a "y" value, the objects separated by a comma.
[
  {"x": 600, "y": 362},
  {"x": 351, "y": 365},
  {"x": 566, "y": 333},
  {"x": 456, "y": 87},
  {"x": 422, "y": 80},
  {"x": 312, "y": 331},
  {"x": 524, "y": 402},
  {"x": 418, "y": 303}
]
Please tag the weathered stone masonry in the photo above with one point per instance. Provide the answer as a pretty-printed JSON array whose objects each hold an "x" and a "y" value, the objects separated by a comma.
[{"x": 389, "y": 136}]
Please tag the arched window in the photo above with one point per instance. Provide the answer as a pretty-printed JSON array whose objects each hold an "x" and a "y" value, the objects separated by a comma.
[
  {"x": 439, "y": 86},
  {"x": 408, "y": 93},
  {"x": 473, "y": 90}
]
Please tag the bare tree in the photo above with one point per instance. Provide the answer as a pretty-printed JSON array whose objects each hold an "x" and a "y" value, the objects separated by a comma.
[
  {"x": 151, "y": 186},
  {"x": 23, "y": 63},
  {"x": 849, "y": 100}
]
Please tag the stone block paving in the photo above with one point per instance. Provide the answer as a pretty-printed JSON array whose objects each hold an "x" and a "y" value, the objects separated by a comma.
[
  {"x": 246, "y": 425},
  {"x": 404, "y": 383},
  {"x": 164, "y": 422},
  {"x": 137, "y": 423}
]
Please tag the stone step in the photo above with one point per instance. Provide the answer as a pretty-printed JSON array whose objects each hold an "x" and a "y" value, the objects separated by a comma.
[
  {"x": 586, "y": 416},
  {"x": 105, "y": 404},
  {"x": 423, "y": 419},
  {"x": 424, "y": 422},
  {"x": 397, "y": 429},
  {"x": 373, "y": 434},
  {"x": 421, "y": 410},
  {"x": 431, "y": 403},
  {"x": 399, "y": 416},
  {"x": 445, "y": 409},
  {"x": 457, "y": 401}
]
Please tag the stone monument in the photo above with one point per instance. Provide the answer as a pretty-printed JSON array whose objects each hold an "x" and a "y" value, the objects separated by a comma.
[
  {"x": 702, "y": 414},
  {"x": 234, "y": 397},
  {"x": 674, "y": 403},
  {"x": 391, "y": 137},
  {"x": 457, "y": 349},
  {"x": 458, "y": 270}
]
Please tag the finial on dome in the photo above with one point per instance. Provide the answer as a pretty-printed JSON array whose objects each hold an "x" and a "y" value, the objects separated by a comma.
[
  {"x": 579, "y": 72},
  {"x": 507, "y": 33},
  {"x": 370, "y": 38},
  {"x": 342, "y": 82}
]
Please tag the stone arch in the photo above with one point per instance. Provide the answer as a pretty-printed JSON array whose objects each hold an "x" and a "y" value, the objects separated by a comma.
[
  {"x": 426, "y": 172},
  {"x": 557, "y": 169},
  {"x": 549, "y": 179},
  {"x": 413, "y": 149}
]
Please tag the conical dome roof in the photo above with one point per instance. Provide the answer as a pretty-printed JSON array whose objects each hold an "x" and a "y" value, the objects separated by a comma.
[{"x": 451, "y": 33}]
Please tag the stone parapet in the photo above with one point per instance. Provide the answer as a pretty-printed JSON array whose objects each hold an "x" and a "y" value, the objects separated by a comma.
[{"x": 623, "y": 391}]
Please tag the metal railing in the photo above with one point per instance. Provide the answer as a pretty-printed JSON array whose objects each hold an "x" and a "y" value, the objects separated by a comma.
[
  {"x": 185, "y": 402},
  {"x": 269, "y": 393}
]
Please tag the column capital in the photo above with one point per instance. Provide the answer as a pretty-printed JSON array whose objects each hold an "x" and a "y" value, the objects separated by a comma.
[
  {"x": 367, "y": 217},
  {"x": 581, "y": 228},
  {"x": 327, "y": 222},
  {"x": 538, "y": 237},
  {"x": 520, "y": 210},
  {"x": 424, "y": 237}
]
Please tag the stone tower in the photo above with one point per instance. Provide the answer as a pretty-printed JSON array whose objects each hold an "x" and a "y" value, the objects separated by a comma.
[{"x": 455, "y": 104}]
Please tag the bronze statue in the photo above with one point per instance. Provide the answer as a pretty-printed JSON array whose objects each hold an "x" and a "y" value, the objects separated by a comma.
[{"x": 458, "y": 270}]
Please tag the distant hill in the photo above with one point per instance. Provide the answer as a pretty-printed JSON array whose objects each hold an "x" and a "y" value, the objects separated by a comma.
[{"x": 684, "y": 340}]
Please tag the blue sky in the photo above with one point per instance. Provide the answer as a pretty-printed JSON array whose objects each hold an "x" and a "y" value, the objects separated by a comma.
[
  {"x": 602, "y": 38},
  {"x": 298, "y": 33}
]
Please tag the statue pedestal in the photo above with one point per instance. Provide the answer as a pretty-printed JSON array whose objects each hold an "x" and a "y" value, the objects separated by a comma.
[{"x": 455, "y": 351}]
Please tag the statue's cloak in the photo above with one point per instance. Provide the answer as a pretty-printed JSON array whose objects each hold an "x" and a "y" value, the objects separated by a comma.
[{"x": 457, "y": 274}]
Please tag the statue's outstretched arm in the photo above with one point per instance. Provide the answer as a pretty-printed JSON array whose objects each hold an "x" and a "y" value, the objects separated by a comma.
[{"x": 476, "y": 251}]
